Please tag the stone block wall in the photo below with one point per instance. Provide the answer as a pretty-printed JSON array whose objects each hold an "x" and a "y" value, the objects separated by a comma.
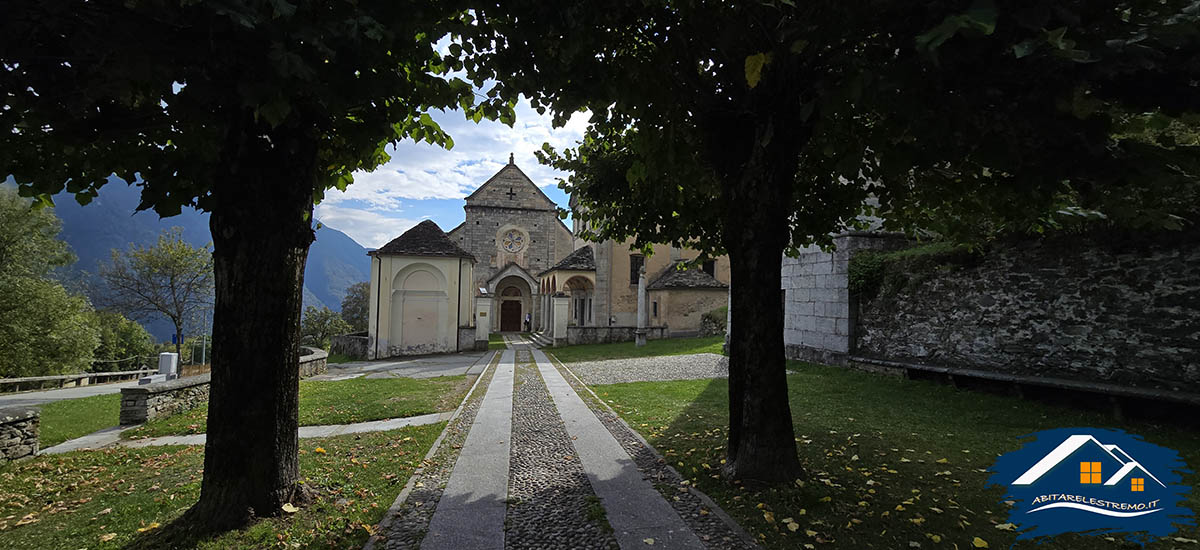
[
  {"x": 604, "y": 335},
  {"x": 313, "y": 362},
  {"x": 354, "y": 345},
  {"x": 18, "y": 433},
  {"x": 1103, "y": 308},
  {"x": 818, "y": 315},
  {"x": 142, "y": 403}
]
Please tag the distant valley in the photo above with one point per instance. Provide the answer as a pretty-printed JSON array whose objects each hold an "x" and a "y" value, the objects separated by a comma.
[{"x": 335, "y": 261}]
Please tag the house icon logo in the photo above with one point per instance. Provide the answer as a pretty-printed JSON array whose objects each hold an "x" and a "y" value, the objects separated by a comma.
[{"x": 1093, "y": 481}]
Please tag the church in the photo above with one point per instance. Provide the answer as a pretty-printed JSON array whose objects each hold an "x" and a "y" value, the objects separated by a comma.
[{"x": 512, "y": 265}]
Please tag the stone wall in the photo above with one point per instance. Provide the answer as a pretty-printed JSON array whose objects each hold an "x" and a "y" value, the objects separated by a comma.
[
  {"x": 1101, "y": 308},
  {"x": 147, "y": 402},
  {"x": 313, "y": 362},
  {"x": 604, "y": 335},
  {"x": 18, "y": 433},
  {"x": 353, "y": 345},
  {"x": 818, "y": 317}
]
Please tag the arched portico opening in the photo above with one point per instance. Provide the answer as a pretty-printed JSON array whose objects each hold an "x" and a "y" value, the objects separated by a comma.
[
  {"x": 580, "y": 289},
  {"x": 515, "y": 303}
]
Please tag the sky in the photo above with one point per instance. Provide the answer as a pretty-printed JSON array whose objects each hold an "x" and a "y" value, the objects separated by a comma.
[{"x": 424, "y": 181}]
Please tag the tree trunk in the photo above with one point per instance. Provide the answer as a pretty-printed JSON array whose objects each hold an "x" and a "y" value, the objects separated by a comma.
[
  {"x": 762, "y": 444},
  {"x": 178, "y": 342},
  {"x": 261, "y": 229}
]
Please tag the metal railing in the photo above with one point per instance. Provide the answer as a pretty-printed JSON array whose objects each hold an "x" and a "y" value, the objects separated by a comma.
[{"x": 69, "y": 380}]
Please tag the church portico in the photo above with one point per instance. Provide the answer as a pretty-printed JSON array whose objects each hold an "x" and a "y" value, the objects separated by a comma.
[{"x": 514, "y": 299}]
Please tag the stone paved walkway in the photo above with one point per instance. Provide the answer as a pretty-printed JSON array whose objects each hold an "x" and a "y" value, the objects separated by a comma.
[{"x": 538, "y": 469}]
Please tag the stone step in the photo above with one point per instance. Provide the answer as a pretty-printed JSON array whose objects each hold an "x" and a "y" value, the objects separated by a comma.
[{"x": 541, "y": 340}]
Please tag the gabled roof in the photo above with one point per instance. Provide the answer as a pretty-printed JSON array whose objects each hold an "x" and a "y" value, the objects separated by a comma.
[
  {"x": 673, "y": 277},
  {"x": 580, "y": 260},
  {"x": 424, "y": 239},
  {"x": 511, "y": 171}
]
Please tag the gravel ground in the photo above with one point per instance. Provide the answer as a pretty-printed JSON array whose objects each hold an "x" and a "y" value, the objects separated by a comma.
[
  {"x": 408, "y": 528},
  {"x": 549, "y": 495},
  {"x": 705, "y": 519},
  {"x": 652, "y": 369}
]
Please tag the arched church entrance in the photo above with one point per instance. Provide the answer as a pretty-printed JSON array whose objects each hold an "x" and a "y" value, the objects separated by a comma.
[{"x": 514, "y": 294}]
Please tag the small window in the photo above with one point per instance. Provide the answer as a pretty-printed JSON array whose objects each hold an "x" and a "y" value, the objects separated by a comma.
[
  {"x": 636, "y": 261},
  {"x": 1089, "y": 473},
  {"x": 1138, "y": 485},
  {"x": 710, "y": 267},
  {"x": 654, "y": 307}
]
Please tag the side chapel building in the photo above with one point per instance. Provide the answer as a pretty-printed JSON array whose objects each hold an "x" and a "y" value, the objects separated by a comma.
[{"x": 514, "y": 251}]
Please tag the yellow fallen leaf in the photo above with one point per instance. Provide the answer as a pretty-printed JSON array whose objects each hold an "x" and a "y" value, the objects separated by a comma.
[
  {"x": 319, "y": 450},
  {"x": 979, "y": 543},
  {"x": 290, "y": 508},
  {"x": 648, "y": 541},
  {"x": 942, "y": 461},
  {"x": 1006, "y": 527},
  {"x": 769, "y": 517},
  {"x": 826, "y": 499},
  {"x": 148, "y": 527},
  {"x": 107, "y": 537},
  {"x": 810, "y": 532}
]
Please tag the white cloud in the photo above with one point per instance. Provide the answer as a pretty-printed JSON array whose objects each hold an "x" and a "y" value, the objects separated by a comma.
[
  {"x": 368, "y": 228},
  {"x": 422, "y": 171}
]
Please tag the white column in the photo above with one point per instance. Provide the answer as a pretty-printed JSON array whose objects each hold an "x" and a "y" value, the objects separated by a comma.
[
  {"x": 483, "y": 321},
  {"x": 560, "y": 320},
  {"x": 640, "y": 333}
]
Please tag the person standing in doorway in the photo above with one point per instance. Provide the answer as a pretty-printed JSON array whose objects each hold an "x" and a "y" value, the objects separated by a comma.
[{"x": 528, "y": 321}]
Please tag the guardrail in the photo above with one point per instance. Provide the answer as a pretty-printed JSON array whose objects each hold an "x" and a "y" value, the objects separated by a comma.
[{"x": 69, "y": 380}]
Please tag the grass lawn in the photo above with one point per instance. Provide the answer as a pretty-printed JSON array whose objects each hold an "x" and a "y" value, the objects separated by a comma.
[
  {"x": 71, "y": 418},
  {"x": 622, "y": 350},
  {"x": 496, "y": 341},
  {"x": 335, "y": 358},
  {"x": 891, "y": 463},
  {"x": 340, "y": 402},
  {"x": 117, "y": 497}
]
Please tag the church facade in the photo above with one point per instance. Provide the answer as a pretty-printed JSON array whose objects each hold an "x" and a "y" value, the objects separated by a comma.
[{"x": 514, "y": 254}]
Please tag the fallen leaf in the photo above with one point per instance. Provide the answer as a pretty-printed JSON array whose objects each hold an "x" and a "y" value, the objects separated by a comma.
[
  {"x": 979, "y": 543},
  {"x": 319, "y": 450},
  {"x": 107, "y": 537},
  {"x": 148, "y": 527},
  {"x": 290, "y": 508},
  {"x": 648, "y": 541},
  {"x": 1006, "y": 527}
]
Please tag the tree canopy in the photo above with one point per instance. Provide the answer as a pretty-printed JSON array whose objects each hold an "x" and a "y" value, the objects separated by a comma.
[
  {"x": 753, "y": 127},
  {"x": 251, "y": 110},
  {"x": 356, "y": 307},
  {"x": 171, "y": 279},
  {"x": 318, "y": 326}
]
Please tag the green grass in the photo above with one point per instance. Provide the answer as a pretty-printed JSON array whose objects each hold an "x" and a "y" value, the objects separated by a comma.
[
  {"x": 889, "y": 461},
  {"x": 335, "y": 358},
  {"x": 71, "y": 418},
  {"x": 621, "y": 350},
  {"x": 496, "y": 341},
  {"x": 340, "y": 402},
  {"x": 100, "y": 499}
]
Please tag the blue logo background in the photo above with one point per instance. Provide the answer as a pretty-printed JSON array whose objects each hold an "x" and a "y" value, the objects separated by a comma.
[{"x": 1093, "y": 508}]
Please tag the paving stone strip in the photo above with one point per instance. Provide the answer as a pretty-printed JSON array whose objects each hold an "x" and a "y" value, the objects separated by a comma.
[
  {"x": 471, "y": 510},
  {"x": 638, "y": 513},
  {"x": 408, "y": 518},
  {"x": 713, "y": 525},
  {"x": 550, "y": 501}
]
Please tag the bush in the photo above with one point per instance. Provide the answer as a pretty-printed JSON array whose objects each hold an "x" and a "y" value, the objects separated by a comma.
[
  {"x": 712, "y": 323},
  {"x": 871, "y": 271}
]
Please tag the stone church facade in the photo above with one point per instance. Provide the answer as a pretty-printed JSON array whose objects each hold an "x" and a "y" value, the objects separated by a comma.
[{"x": 513, "y": 255}]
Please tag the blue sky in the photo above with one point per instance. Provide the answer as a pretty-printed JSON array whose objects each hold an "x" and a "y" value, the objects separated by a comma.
[{"x": 424, "y": 181}]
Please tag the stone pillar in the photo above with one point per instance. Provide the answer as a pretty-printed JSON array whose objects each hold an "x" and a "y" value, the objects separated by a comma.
[
  {"x": 483, "y": 322},
  {"x": 559, "y": 320},
  {"x": 640, "y": 333},
  {"x": 168, "y": 369}
]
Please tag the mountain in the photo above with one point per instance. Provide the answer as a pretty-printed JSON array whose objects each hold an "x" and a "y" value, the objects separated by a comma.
[{"x": 111, "y": 220}]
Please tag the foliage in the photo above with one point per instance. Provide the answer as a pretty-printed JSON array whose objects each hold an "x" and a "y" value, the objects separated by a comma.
[
  {"x": 44, "y": 330},
  {"x": 120, "y": 339},
  {"x": 324, "y": 403},
  {"x": 172, "y": 279},
  {"x": 716, "y": 317},
  {"x": 868, "y": 270},
  {"x": 875, "y": 446},
  {"x": 320, "y": 325},
  {"x": 653, "y": 348},
  {"x": 71, "y": 418},
  {"x": 135, "y": 493},
  {"x": 356, "y": 307}
]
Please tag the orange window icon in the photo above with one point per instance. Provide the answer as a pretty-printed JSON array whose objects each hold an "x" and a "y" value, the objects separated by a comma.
[
  {"x": 1089, "y": 472},
  {"x": 1139, "y": 484}
]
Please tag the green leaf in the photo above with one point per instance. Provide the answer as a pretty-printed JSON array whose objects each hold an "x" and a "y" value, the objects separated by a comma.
[{"x": 754, "y": 67}]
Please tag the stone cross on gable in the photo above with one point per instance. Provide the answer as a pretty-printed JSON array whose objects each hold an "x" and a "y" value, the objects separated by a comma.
[{"x": 510, "y": 193}]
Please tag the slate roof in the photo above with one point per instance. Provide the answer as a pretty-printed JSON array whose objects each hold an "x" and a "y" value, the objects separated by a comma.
[
  {"x": 580, "y": 260},
  {"x": 695, "y": 277},
  {"x": 425, "y": 239}
]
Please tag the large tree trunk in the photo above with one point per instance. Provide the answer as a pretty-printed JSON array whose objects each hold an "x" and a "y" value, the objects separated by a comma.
[
  {"x": 261, "y": 229},
  {"x": 762, "y": 444}
]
